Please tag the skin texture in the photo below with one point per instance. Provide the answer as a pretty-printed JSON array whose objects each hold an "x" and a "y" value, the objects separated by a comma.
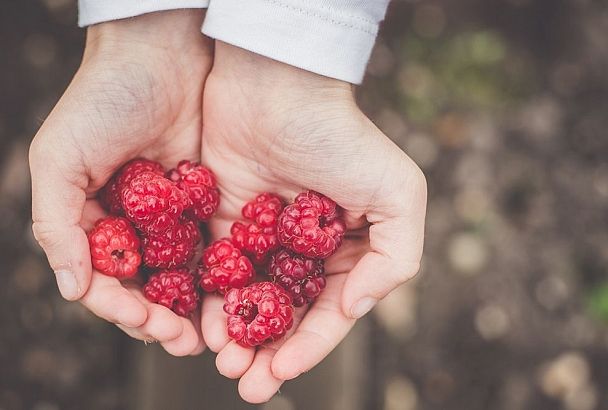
[
  {"x": 137, "y": 93},
  {"x": 270, "y": 127}
]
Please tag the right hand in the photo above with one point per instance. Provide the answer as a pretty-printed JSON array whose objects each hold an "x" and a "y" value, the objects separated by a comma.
[{"x": 138, "y": 93}]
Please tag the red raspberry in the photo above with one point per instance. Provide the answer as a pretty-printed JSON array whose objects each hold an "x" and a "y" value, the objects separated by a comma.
[
  {"x": 223, "y": 267},
  {"x": 173, "y": 248},
  {"x": 115, "y": 247},
  {"x": 303, "y": 278},
  {"x": 259, "y": 238},
  {"x": 153, "y": 203},
  {"x": 174, "y": 289},
  {"x": 264, "y": 209},
  {"x": 258, "y": 313},
  {"x": 200, "y": 184},
  {"x": 110, "y": 193},
  {"x": 312, "y": 226}
]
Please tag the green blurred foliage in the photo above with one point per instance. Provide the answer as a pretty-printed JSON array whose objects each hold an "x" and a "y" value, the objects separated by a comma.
[
  {"x": 597, "y": 302},
  {"x": 472, "y": 70}
]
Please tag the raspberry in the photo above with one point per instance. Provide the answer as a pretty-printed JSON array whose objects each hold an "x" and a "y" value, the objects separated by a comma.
[
  {"x": 173, "y": 248},
  {"x": 153, "y": 203},
  {"x": 259, "y": 238},
  {"x": 115, "y": 247},
  {"x": 223, "y": 267},
  {"x": 258, "y": 313},
  {"x": 200, "y": 184},
  {"x": 174, "y": 289},
  {"x": 110, "y": 193},
  {"x": 264, "y": 209},
  {"x": 312, "y": 226},
  {"x": 303, "y": 278}
]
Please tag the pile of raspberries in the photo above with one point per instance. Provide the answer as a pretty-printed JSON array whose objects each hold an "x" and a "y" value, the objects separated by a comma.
[{"x": 154, "y": 230}]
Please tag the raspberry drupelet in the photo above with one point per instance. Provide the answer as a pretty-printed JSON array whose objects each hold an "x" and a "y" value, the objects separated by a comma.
[
  {"x": 174, "y": 289},
  {"x": 173, "y": 248},
  {"x": 258, "y": 239},
  {"x": 110, "y": 194},
  {"x": 223, "y": 267},
  {"x": 200, "y": 185},
  {"x": 153, "y": 203},
  {"x": 115, "y": 247},
  {"x": 303, "y": 278},
  {"x": 312, "y": 226},
  {"x": 259, "y": 313}
]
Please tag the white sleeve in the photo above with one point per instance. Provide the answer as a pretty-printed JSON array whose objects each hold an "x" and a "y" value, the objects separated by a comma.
[
  {"x": 98, "y": 11},
  {"x": 333, "y": 38}
]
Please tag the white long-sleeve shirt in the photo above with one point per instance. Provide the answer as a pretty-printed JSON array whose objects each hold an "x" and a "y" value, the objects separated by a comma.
[{"x": 328, "y": 37}]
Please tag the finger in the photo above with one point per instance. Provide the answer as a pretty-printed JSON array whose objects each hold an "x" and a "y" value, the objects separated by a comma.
[
  {"x": 323, "y": 327},
  {"x": 186, "y": 343},
  {"x": 196, "y": 322},
  {"x": 163, "y": 325},
  {"x": 258, "y": 384},
  {"x": 177, "y": 335},
  {"x": 200, "y": 348},
  {"x": 107, "y": 298},
  {"x": 58, "y": 197},
  {"x": 213, "y": 323},
  {"x": 396, "y": 240},
  {"x": 136, "y": 333},
  {"x": 159, "y": 327},
  {"x": 234, "y": 360}
]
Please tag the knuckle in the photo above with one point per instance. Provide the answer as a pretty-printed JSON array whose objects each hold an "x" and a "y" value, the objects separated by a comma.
[
  {"x": 411, "y": 193},
  {"x": 416, "y": 180}
]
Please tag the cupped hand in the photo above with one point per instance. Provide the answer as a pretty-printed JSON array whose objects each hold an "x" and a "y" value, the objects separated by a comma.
[
  {"x": 138, "y": 93},
  {"x": 270, "y": 127}
]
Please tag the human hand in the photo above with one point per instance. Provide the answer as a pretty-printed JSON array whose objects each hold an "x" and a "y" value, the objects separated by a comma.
[
  {"x": 270, "y": 127},
  {"x": 138, "y": 93}
]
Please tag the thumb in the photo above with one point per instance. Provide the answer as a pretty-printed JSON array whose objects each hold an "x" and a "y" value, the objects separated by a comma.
[
  {"x": 396, "y": 239},
  {"x": 58, "y": 199}
]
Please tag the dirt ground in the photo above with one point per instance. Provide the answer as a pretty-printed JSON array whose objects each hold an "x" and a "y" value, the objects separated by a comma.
[{"x": 503, "y": 104}]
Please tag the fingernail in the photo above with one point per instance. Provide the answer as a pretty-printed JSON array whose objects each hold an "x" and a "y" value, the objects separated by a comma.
[
  {"x": 363, "y": 306},
  {"x": 66, "y": 281}
]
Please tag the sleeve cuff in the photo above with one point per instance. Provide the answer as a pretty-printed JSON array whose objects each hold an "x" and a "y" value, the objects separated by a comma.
[
  {"x": 315, "y": 39},
  {"x": 99, "y": 11}
]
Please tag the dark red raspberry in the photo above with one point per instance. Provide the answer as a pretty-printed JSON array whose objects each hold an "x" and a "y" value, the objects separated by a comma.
[
  {"x": 223, "y": 267},
  {"x": 153, "y": 203},
  {"x": 258, "y": 313},
  {"x": 110, "y": 194},
  {"x": 312, "y": 226},
  {"x": 200, "y": 184},
  {"x": 115, "y": 247},
  {"x": 303, "y": 278},
  {"x": 258, "y": 239},
  {"x": 174, "y": 289},
  {"x": 173, "y": 248}
]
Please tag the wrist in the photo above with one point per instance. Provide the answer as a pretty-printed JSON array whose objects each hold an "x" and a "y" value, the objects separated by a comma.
[
  {"x": 176, "y": 32},
  {"x": 271, "y": 79}
]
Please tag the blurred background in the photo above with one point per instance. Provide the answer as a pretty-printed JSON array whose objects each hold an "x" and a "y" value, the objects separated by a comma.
[{"x": 503, "y": 104}]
